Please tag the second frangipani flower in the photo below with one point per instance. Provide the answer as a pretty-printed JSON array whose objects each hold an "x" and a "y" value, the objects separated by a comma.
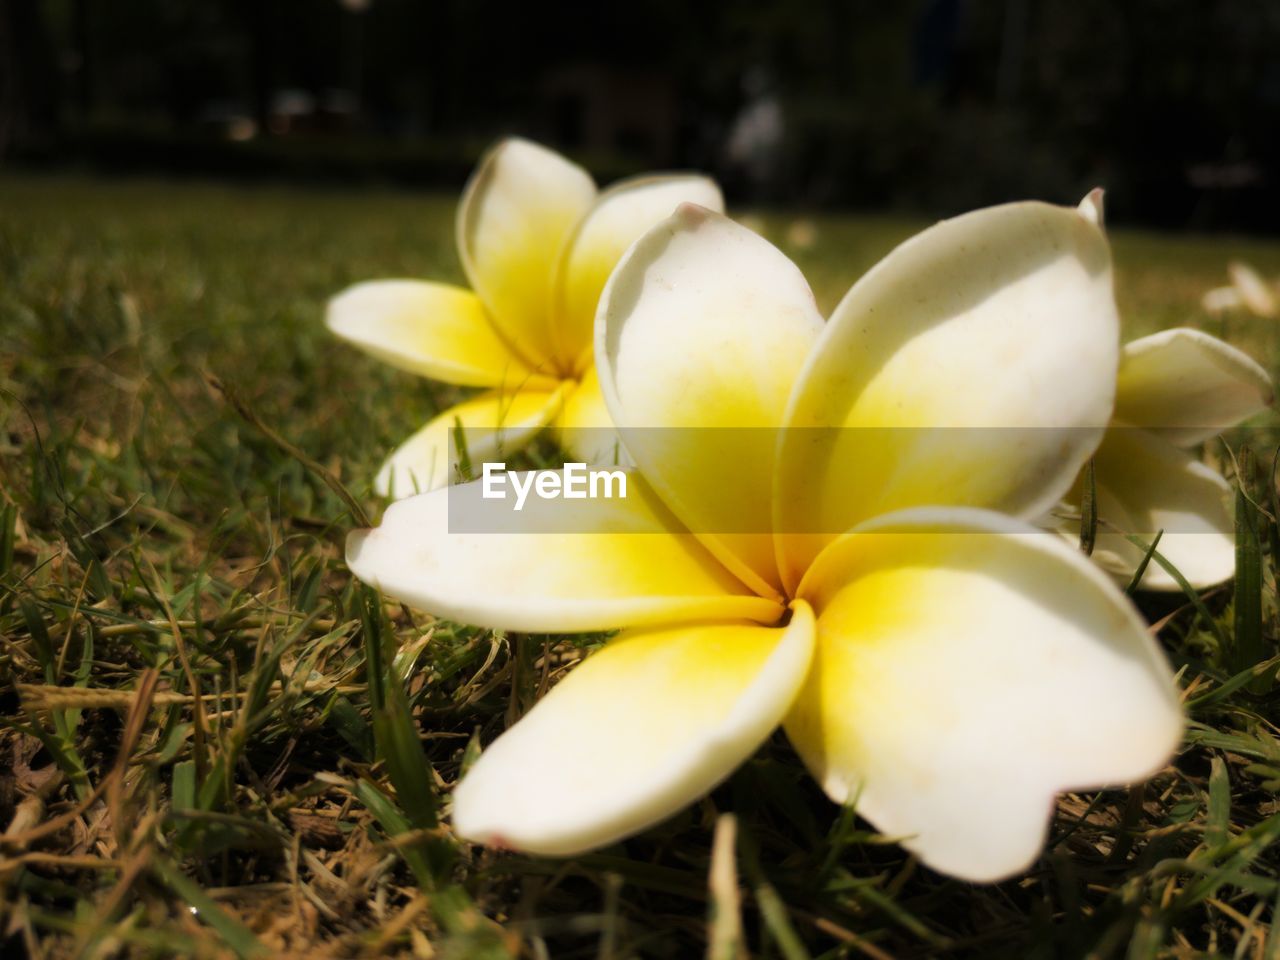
[
  {"x": 1176, "y": 389},
  {"x": 942, "y": 665},
  {"x": 537, "y": 243}
]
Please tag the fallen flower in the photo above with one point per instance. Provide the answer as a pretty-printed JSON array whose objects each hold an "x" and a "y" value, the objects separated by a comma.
[
  {"x": 1247, "y": 289},
  {"x": 1175, "y": 389},
  {"x": 537, "y": 243},
  {"x": 944, "y": 667}
]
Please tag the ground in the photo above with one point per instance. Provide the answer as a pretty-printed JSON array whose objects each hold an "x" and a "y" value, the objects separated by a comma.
[{"x": 216, "y": 744}]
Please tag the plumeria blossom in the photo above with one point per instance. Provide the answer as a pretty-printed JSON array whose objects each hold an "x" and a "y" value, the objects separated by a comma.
[
  {"x": 942, "y": 665},
  {"x": 537, "y": 243},
  {"x": 1247, "y": 289},
  {"x": 1176, "y": 389}
]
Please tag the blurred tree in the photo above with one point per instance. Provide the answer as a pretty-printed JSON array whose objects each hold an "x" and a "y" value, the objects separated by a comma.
[
  {"x": 29, "y": 89},
  {"x": 931, "y": 104}
]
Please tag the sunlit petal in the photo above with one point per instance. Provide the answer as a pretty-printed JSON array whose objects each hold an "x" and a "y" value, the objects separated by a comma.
[
  {"x": 700, "y": 335},
  {"x": 618, "y": 218},
  {"x": 975, "y": 365},
  {"x": 556, "y": 566},
  {"x": 1188, "y": 386},
  {"x": 492, "y": 424},
  {"x": 432, "y": 329},
  {"x": 639, "y": 730},
  {"x": 516, "y": 214},
  {"x": 966, "y": 671}
]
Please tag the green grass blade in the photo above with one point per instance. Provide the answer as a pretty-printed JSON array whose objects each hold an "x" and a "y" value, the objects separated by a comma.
[
  {"x": 1249, "y": 647},
  {"x": 395, "y": 734},
  {"x": 1141, "y": 569},
  {"x": 394, "y": 824},
  {"x": 1190, "y": 592},
  {"x": 234, "y": 934},
  {"x": 1217, "y": 821}
]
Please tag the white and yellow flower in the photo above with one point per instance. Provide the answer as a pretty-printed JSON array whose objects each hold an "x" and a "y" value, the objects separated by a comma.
[
  {"x": 946, "y": 667},
  {"x": 537, "y": 243},
  {"x": 1176, "y": 389}
]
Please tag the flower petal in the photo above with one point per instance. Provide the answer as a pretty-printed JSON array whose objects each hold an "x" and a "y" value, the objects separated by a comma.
[
  {"x": 586, "y": 430},
  {"x": 517, "y": 211},
  {"x": 701, "y": 332},
  {"x": 1188, "y": 386},
  {"x": 640, "y": 729},
  {"x": 491, "y": 423},
  {"x": 973, "y": 366},
  {"x": 557, "y": 566},
  {"x": 432, "y": 329},
  {"x": 620, "y": 215},
  {"x": 968, "y": 669},
  {"x": 1221, "y": 299},
  {"x": 1253, "y": 290},
  {"x": 1145, "y": 485}
]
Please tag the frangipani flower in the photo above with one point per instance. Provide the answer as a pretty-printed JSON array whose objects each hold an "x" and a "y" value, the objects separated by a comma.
[
  {"x": 537, "y": 243},
  {"x": 946, "y": 667},
  {"x": 1247, "y": 290},
  {"x": 1176, "y": 389}
]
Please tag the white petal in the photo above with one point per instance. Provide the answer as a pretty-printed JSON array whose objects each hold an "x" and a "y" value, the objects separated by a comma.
[
  {"x": 975, "y": 365},
  {"x": 967, "y": 670},
  {"x": 1145, "y": 485},
  {"x": 1188, "y": 386},
  {"x": 517, "y": 211},
  {"x": 617, "y": 219},
  {"x": 557, "y": 566},
  {"x": 1221, "y": 299},
  {"x": 1092, "y": 208},
  {"x": 493, "y": 423},
  {"x": 432, "y": 329},
  {"x": 1253, "y": 290},
  {"x": 636, "y": 732},
  {"x": 701, "y": 332}
]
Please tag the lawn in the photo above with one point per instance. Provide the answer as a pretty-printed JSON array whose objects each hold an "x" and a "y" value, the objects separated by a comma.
[{"x": 215, "y": 743}]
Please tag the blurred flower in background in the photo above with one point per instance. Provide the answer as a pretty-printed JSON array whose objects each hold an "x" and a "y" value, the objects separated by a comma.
[
  {"x": 537, "y": 242},
  {"x": 1247, "y": 290}
]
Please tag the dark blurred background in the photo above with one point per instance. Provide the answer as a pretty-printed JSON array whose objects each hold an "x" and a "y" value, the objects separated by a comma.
[{"x": 932, "y": 106}]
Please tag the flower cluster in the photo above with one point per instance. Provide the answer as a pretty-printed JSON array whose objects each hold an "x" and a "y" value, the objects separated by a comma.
[{"x": 833, "y": 525}]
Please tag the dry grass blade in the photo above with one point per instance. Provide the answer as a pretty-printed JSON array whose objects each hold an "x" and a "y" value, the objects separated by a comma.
[
  {"x": 132, "y": 730},
  {"x": 725, "y": 940}
]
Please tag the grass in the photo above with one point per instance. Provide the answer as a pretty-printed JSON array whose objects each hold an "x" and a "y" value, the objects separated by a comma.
[{"x": 216, "y": 744}]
